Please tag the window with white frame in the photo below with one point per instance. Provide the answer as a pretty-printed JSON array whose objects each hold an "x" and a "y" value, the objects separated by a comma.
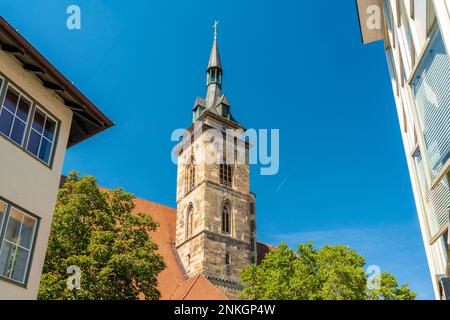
[
  {"x": 14, "y": 114},
  {"x": 42, "y": 135},
  {"x": 17, "y": 231}
]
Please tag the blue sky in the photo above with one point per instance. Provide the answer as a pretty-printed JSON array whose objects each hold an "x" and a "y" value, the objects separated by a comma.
[{"x": 295, "y": 66}]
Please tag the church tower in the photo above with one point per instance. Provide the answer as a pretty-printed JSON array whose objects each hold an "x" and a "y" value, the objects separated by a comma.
[{"x": 216, "y": 219}]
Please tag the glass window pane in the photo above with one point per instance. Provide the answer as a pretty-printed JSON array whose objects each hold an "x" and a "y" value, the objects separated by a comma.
[
  {"x": 7, "y": 259},
  {"x": 11, "y": 99},
  {"x": 13, "y": 228},
  {"x": 49, "y": 131},
  {"x": 2, "y": 214},
  {"x": 44, "y": 153},
  {"x": 18, "y": 131},
  {"x": 38, "y": 121},
  {"x": 33, "y": 143},
  {"x": 27, "y": 233},
  {"x": 20, "y": 265},
  {"x": 24, "y": 108},
  {"x": 430, "y": 89},
  {"x": 6, "y": 120}
]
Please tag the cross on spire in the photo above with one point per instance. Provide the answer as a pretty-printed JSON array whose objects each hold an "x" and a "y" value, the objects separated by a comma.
[{"x": 215, "y": 28}]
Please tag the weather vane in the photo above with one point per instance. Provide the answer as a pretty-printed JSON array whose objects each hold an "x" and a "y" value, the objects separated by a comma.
[{"x": 215, "y": 28}]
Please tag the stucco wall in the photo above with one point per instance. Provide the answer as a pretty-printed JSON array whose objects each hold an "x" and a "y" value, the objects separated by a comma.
[{"x": 27, "y": 182}]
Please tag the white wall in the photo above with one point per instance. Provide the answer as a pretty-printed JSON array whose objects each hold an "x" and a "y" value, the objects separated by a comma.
[
  {"x": 406, "y": 107},
  {"x": 27, "y": 182}
]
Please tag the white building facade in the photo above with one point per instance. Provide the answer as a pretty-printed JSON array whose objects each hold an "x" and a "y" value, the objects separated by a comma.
[{"x": 416, "y": 34}]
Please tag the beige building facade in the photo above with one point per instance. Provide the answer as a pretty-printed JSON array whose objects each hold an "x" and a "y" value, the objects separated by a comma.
[{"x": 41, "y": 114}]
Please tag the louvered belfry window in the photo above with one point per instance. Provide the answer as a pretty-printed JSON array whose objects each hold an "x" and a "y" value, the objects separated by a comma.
[
  {"x": 226, "y": 174},
  {"x": 431, "y": 89}
]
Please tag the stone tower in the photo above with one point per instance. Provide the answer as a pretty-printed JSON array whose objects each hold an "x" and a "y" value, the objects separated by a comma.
[{"x": 216, "y": 219}]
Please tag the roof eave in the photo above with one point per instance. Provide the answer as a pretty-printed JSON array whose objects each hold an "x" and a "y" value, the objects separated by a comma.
[{"x": 27, "y": 49}]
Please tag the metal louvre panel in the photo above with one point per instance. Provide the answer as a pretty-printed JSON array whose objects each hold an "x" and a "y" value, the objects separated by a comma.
[
  {"x": 437, "y": 199},
  {"x": 426, "y": 192},
  {"x": 431, "y": 88},
  {"x": 440, "y": 197}
]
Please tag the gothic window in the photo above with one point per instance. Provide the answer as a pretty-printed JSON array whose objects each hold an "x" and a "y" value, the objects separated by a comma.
[
  {"x": 226, "y": 218},
  {"x": 190, "y": 175},
  {"x": 190, "y": 222},
  {"x": 226, "y": 174},
  {"x": 227, "y": 259}
]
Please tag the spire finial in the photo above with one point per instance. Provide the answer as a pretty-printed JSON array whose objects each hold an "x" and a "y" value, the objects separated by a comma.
[{"x": 216, "y": 22}]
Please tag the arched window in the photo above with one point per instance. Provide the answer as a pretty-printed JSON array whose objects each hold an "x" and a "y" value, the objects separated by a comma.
[
  {"x": 227, "y": 259},
  {"x": 226, "y": 218},
  {"x": 190, "y": 221},
  {"x": 190, "y": 175},
  {"x": 226, "y": 174}
]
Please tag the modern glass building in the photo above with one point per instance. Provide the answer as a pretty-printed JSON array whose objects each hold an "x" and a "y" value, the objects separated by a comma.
[{"x": 416, "y": 34}]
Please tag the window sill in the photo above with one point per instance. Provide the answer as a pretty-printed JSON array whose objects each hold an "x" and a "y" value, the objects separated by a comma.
[
  {"x": 445, "y": 169},
  {"x": 439, "y": 234},
  {"x": 14, "y": 282},
  {"x": 28, "y": 153}
]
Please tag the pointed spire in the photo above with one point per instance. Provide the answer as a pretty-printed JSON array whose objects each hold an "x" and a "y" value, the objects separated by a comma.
[
  {"x": 214, "y": 58},
  {"x": 214, "y": 74}
]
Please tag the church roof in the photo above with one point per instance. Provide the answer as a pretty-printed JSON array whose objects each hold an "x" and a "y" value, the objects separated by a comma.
[
  {"x": 199, "y": 102},
  {"x": 198, "y": 288},
  {"x": 173, "y": 276},
  {"x": 262, "y": 249}
]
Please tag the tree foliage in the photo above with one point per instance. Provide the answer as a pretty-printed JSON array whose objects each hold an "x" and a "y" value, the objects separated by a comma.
[
  {"x": 329, "y": 273},
  {"x": 390, "y": 290},
  {"x": 95, "y": 230}
]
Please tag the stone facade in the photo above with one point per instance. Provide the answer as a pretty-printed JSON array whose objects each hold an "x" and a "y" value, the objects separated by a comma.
[{"x": 206, "y": 249}]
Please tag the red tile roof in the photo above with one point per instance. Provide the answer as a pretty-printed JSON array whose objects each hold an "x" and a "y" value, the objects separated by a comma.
[
  {"x": 262, "y": 249},
  {"x": 198, "y": 288},
  {"x": 171, "y": 278}
]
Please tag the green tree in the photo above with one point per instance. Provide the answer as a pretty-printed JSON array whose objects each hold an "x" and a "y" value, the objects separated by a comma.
[
  {"x": 329, "y": 273},
  {"x": 95, "y": 230},
  {"x": 390, "y": 290}
]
